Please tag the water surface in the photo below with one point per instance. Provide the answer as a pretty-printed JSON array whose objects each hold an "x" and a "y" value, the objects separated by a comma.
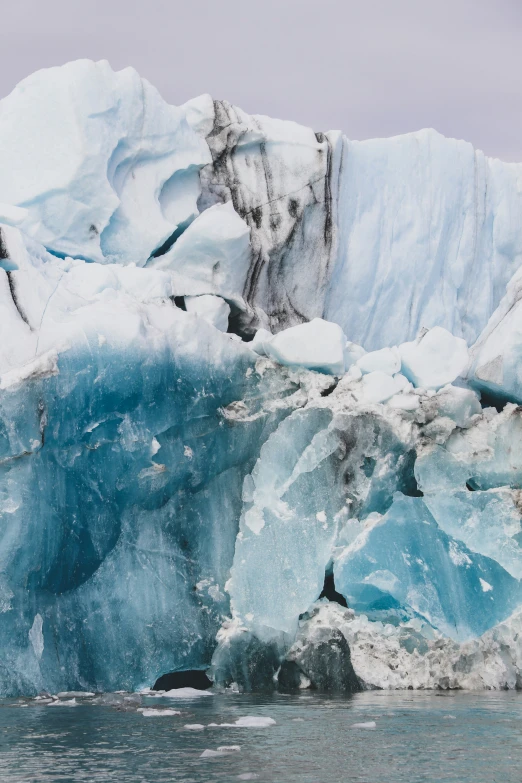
[{"x": 417, "y": 737}]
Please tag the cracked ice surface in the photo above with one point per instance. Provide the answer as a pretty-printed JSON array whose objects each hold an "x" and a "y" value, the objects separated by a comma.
[{"x": 176, "y": 495}]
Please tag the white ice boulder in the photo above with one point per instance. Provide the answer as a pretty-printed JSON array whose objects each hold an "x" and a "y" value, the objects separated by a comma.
[
  {"x": 387, "y": 360},
  {"x": 212, "y": 256},
  {"x": 458, "y": 404},
  {"x": 404, "y": 401},
  {"x": 402, "y": 383},
  {"x": 434, "y": 359},
  {"x": 185, "y": 693},
  {"x": 378, "y": 386},
  {"x": 95, "y": 157},
  {"x": 212, "y": 308},
  {"x": 354, "y": 373},
  {"x": 261, "y": 337},
  {"x": 254, "y": 722},
  {"x": 352, "y": 353},
  {"x": 317, "y": 345}
]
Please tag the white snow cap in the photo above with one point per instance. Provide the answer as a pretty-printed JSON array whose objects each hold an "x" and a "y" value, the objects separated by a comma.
[
  {"x": 434, "y": 359},
  {"x": 317, "y": 345},
  {"x": 91, "y": 154},
  {"x": 212, "y": 308}
]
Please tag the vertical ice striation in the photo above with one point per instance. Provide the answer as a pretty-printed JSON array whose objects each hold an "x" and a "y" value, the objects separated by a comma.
[
  {"x": 282, "y": 180},
  {"x": 429, "y": 234}
]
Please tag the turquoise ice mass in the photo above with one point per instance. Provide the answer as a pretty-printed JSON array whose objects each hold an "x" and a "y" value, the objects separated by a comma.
[{"x": 259, "y": 399}]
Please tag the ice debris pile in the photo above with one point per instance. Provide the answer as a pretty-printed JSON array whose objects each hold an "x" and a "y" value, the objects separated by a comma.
[{"x": 259, "y": 397}]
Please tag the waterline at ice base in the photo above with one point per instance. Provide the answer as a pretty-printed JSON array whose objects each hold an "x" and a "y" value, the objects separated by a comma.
[{"x": 259, "y": 400}]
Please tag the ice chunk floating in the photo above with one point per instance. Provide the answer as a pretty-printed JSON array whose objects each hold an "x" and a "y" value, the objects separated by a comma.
[{"x": 259, "y": 395}]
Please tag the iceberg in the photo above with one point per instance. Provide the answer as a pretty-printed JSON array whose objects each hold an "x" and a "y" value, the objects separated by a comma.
[{"x": 259, "y": 400}]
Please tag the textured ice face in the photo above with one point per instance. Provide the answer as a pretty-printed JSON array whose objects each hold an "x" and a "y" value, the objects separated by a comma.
[
  {"x": 324, "y": 468},
  {"x": 172, "y": 494},
  {"x": 406, "y": 656},
  {"x": 320, "y": 656},
  {"x": 288, "y": 525},
  {"x": 429, "y": 234},
  {"x": 121, "y": 491},
  {"x": 406, "y": 557}
]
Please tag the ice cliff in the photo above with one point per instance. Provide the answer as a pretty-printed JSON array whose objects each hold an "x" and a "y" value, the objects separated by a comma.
[{"x": 259, "y": 397}]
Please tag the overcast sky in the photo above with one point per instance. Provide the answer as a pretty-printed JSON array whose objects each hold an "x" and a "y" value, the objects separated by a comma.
[{"x": 367, "y": 67}]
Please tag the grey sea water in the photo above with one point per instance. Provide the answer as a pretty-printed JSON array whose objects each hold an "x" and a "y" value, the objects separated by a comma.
[{"x": 475, "y": 738}]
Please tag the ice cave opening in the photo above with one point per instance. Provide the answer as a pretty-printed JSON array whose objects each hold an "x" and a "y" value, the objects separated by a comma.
[{"x": 191, "y": 678}]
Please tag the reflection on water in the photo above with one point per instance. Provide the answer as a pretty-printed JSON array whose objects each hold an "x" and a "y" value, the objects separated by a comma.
[{"x": 119, "y": 737}]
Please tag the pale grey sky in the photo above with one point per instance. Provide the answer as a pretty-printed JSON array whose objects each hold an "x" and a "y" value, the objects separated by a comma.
[{"x": 367, "y": 67}]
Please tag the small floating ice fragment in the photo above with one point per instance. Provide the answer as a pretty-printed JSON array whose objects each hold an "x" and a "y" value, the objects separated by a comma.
[
  {"x": 153, "y": 713},
  {"x": 63, "y": 703},
  {"x": 223, "y": 750},
  {"x": 370, "y": 724},
  {"x": 251, "y": 721},
  {"x": 75, "y": 694},
  {"x": 185, "y": 693}
]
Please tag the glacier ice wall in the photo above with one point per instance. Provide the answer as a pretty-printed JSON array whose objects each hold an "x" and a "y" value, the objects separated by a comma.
[{"x": 248, "y": 371}]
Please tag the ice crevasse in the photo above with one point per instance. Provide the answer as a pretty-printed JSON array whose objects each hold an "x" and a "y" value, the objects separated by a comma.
[{"x": 259, "y": 398}]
